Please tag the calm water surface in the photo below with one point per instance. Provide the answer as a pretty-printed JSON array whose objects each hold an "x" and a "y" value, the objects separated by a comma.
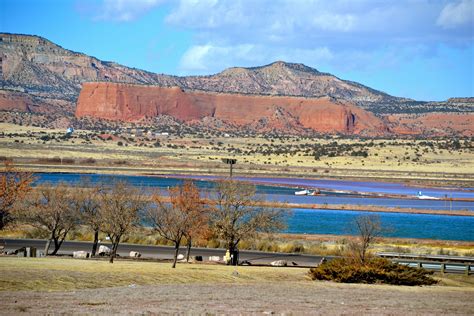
[
  {"x": 283, "y": 193},
  {"x": 305, "y": 221},
  {"x": 401, "y": 225}
]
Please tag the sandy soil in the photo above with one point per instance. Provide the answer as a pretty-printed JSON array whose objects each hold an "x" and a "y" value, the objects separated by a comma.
[{"x": 265, "y": 298}]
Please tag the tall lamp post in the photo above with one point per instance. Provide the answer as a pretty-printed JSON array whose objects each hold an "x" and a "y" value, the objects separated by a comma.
[{"x": 230, "y": 162}]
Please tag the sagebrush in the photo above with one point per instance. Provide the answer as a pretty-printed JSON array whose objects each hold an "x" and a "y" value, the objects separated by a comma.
[{"x": 374, "y": 270}]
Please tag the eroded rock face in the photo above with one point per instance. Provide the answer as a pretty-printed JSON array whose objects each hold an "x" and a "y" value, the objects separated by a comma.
[
  {"x": 41, "y": 67},
  {"x": 15, "y": 101},
  {"x": 126, "y": 102},
  {"x": 432, "y": 124}
]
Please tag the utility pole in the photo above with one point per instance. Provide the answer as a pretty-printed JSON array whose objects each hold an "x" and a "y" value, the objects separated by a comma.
[{"x": 230, "y": 162}]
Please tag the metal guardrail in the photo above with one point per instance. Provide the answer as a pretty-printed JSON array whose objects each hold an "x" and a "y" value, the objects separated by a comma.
[
  {"x": 449, "y": 267},
  {"x": 441, "y": 263},
  {"x": 438, "y": 258}
]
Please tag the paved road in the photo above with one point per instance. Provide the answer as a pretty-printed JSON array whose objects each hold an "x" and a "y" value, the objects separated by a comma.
[{"x": 164, "y": 252}]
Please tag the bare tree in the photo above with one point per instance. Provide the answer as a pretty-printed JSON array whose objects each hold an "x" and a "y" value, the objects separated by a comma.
[
  {"x": 179, "y": 219},
  {"x": 119, "y": 212},
  {"x": 368, "y": 228},
  {"x": 198, "y": 214},
  {"x": 49, "y": 208},
  {"x": 237, "y": 215},
  {"x": 14, "y": 185},
  {"x": 86, "y": 201}
]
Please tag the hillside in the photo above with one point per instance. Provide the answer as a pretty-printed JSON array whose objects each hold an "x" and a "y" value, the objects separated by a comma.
[
  {"x": 35, "y": 65},
  {"x": 38, "y": 76}
]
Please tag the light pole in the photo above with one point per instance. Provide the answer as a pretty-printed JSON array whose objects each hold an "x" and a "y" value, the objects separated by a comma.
[{"x": 231, "y": 162}]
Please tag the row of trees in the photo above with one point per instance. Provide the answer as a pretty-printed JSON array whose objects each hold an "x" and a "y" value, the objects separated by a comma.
[{"x": 233, "y": 213}]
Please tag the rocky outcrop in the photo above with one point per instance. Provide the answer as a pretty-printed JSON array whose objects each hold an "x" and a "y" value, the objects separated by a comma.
[
  {"x": 133, "y": 102},
  {"x": 25, "y": 102},
  {"x": 432, "y": 124},
  {"x": 17, "y": 101},
  {"x": 38, "y": 76},
  {"x": 39, "y": 66}
]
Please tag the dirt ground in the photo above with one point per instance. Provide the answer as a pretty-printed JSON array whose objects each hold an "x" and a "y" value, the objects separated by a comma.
[{"x": 306, "y": 297}]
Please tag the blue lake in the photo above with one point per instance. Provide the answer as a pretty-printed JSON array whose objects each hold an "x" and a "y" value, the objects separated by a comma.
[
  {"x": 334, "y": 222},
  {"x": 358, "y": 186},
  {"x": 283, "y": 193},
  {"x": 306, "y": 221}
]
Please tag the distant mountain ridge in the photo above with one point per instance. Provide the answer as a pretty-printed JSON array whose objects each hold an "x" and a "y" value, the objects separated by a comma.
[
  {"x": 37, "y": 65},
  {"x": 39, "y": 76}
]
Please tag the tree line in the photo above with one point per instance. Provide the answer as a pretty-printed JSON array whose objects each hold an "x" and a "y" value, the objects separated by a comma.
[{"x": 179, "y": 215}]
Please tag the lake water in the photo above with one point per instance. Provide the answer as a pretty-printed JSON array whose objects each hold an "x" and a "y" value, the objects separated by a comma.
[
  {"x": 357, "y": 186},
  {"x": 305, "y": 221},
  {"x": 281, "y": 193},
  {"x": 335, "y": 222}
]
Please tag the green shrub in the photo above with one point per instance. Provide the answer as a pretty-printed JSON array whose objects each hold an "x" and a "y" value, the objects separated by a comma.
[{"x": 375, "y": 270}]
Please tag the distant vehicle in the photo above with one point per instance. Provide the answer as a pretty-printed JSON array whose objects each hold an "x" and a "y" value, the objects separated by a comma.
[{"x": 69, "y": 131}]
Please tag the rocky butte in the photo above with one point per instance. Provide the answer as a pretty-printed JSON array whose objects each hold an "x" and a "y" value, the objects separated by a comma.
[
  {"x": 43, "y": 79},
  {"x": 126, "y": 102}
]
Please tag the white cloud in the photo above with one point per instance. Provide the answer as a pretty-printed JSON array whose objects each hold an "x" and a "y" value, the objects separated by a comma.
[
  {"x": 125, "y": 10},
  {"x": 205, "y": 58},
  {"x": 337, "y": 34},
  {"x": 335, "y": 22},
  {"x": 194, "y": 58},
  {"x": 211, "y": 58},
  {"x": 207, "y": 13},
  {"x": 456, "y": 14}
]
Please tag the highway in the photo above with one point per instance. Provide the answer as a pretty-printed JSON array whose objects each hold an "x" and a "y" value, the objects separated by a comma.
[
  {"x": 165, "y": 252},
  {"x": 254, "y": 257}
]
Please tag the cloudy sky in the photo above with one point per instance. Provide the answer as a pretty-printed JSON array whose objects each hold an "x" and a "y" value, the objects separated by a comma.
[{"x": 422, "y": 49}]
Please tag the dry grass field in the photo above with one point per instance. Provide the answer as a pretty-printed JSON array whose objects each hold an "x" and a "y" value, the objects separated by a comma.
[
  {"x": 54, "y": 274},
  {"x": 437, "y": 161},
  {"x": 55, "y": 286}
]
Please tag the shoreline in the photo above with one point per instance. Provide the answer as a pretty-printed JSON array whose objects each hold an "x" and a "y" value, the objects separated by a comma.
[
  {"x": 367, "y": 208},
  {"x": 463, "y": 182},
  {"x": 346, "y": 207},
  {"x": 356, "y": 194}
]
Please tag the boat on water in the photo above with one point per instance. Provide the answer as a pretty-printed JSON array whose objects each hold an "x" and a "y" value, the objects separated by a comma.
[
  {"x": 303, "y": 192},
  {"x": 421, "y": 196},
  {"x": 307, "y": 192}
]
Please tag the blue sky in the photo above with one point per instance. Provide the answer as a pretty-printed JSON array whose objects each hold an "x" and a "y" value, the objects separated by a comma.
[{"x": 421, "y": 49}]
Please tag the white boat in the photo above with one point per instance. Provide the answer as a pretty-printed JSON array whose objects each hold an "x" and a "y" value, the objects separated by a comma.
[
  {"x": 308, "y": 192},
  {"x": 303, "y": 192},
  {"x": 421, "y": 196}
]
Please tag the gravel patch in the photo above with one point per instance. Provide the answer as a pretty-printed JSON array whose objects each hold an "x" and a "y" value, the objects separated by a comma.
[{"x": 318, "y": 298}]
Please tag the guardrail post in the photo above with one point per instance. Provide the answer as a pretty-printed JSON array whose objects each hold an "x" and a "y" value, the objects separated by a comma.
[
  {"x": 468, "y": 269},
  {"x": 419, "y": 265},
  {"x": 443, "y": 268}
]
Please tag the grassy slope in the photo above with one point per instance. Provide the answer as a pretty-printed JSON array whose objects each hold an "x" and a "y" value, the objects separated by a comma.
[
  {"x": 392, "y": 160},
  {"x": 54, "y": 274},
  {"x": 62, "y": 274}
]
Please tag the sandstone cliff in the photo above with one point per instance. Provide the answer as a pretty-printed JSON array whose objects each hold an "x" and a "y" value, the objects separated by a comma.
[
  {"x": 38, "y": 76},
  {"x": 41, "y": 67},
  {"x": 432, "y": 124},
  {"x": 133, "y": 102}
]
